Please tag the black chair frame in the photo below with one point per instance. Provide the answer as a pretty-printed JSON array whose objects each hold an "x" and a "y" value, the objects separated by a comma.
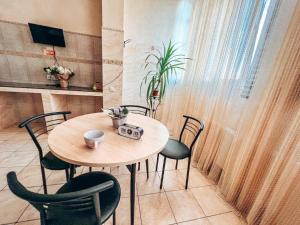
[
  {"x": 145, "y": 111},
  {"x": 77, "y": 201},
  {"x": 34, "y": 134},
  {"x": 137, "y": 109},
  {"x": 194, "y": 127}
]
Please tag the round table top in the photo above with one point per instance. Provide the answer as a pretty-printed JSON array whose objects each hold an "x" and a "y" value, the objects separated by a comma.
[{"x": 67, "y": 143}]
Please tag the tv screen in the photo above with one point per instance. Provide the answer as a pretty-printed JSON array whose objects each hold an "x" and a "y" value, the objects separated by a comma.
[{"x": 47, "y": 35}]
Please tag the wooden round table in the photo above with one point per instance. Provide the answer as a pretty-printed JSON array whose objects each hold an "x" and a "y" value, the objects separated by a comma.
[{"x": 66, "y": 142}]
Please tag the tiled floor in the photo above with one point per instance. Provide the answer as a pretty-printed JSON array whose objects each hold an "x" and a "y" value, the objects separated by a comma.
[{"x": 199, "y": 205}]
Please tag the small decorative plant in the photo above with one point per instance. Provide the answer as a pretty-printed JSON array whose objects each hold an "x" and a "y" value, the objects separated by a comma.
[
  {"x": 162, "y": 67},
  {"x": 61, "y": 73},
  {"x": 118, "y": 112},
  {"x": 118, "y": 115}
]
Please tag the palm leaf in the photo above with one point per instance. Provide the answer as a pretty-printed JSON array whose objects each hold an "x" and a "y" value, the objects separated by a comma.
[{"x": 167, "y": 63}]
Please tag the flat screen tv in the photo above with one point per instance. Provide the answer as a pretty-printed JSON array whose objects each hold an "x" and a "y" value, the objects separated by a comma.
[{"x": 47, "y": 35}]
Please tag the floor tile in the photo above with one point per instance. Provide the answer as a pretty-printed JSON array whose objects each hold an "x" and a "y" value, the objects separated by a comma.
[
  {"x": 196, "y": 178},
  {"x": 85, "y": 169},
  {"x": 30, "y": 213},
  {"x": 5, "y": 135},
  {"x": 28, "y": 146},
  {"x": 11, "y": 207},
  {"x": 184, "y": 205},
  {"x": 57, "y": 177},
  {"x": 123, "y": 213},
  {"x": 35, "y": 161},
  {"x": 12, "y": 145},
  {"x": 31, "y": 176},
  {"x": 9, "y": 134},
  {"x": 173, "y": 180},
  {"x": 203, "y": 221},
  {"x": 31, "y": 222},
  {"x": 225, "y": 219},
  {"x": 119, "y": 170},
  {"x": 148, "y": 186},
  {"x": 18, "y": 159},
  {"x": 170, "y": 163},
  {"x": 124, "y": 181},
  {"x": 143, "y": 166},
  {"x": 155, "y": 209},
  {"x": 183, "y": 164},
  {"x": 4, "y": 171},
  {"x": 5, "y": 156},
  {"x": 20, "y": 135},
  {"x": 209, "y": 201}
]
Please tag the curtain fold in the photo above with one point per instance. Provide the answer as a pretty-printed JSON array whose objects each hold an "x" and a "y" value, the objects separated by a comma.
[
  {"x": 260, "y": 183},
  {"x": 250, "y": 146}
]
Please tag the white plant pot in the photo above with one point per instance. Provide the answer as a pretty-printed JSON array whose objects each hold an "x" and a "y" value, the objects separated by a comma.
[{"x": 118, "y": 121}]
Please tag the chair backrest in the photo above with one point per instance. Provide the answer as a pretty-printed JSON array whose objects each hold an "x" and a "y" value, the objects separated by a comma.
[
  {"x": 41, "y": 124},
  {"x": 61, "y": 204},
  {"x": 193, "y": 126},
  {"x": 137, "y": 109}
]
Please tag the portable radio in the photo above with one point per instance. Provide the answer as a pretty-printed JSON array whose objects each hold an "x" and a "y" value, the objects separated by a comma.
[{"x": 130, "y": 131}]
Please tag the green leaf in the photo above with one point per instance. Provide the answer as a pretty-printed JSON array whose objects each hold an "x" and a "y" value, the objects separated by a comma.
[{"x": 166, "y": 64}]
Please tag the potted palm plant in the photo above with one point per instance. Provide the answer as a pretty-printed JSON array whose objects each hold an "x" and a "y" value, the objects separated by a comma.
[{"x": 161, "y": 68}]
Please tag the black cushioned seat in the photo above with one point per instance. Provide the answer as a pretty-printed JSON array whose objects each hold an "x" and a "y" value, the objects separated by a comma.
[
  {"x": 175, "y": 150},
  {"x": 51, "y": 162},
  {"x": 109, "y": 200}
]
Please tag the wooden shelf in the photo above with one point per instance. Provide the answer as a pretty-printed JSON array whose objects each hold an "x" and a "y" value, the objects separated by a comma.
[{"x": 50, "y": 89}]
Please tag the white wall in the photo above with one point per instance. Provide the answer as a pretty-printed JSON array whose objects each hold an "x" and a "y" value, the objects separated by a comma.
[{"x": 149, "y": 23}]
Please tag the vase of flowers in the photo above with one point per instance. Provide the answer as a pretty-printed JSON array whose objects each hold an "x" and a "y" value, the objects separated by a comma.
[
  {"x": 118, "y": 116},
  {"x": 60, "y": 73}
]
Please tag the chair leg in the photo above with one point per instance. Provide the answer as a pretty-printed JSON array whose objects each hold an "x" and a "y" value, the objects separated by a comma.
[
  {"x": 43, "y": 217},
  {"x": 147, "y": 168},
  {"x": 72, "y": 171},
  {"x": 157, "y": 159},
  {"x": 188, "y": 173},
  {"x": 176, "y": 164},
  {"x": 44, "y": 179},
  {"x": 114, "y": 218},
  {"x": 163, "y": 173},
  {"x": 90, "y": 169},
  {"x": 139, "y": 166},
  {"x": 67, "y": 174}
]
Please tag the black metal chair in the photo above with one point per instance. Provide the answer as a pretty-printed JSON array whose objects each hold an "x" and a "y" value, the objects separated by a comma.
[
  {"x": 37, "y": 126},
  {"x": 176, "y": 149},
  {"x": 142, "y": 110},
  {"x": 88, "y": 199}
]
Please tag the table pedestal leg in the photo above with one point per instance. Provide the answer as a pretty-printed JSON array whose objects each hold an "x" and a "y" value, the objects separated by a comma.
[
  {"x": 132, "y": 193},
  {"x": 132, "y": 169}
]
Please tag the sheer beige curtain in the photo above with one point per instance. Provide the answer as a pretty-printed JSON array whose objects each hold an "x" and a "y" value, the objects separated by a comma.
[
  {"x": 250, "y": 146},
  {"x": 262, "y": 169}
]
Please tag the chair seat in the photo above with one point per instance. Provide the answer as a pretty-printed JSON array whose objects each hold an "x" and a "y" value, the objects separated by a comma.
[
  {"x": 175, "y": 150},
  {"x": 51, "y": 162},
  {"x": 109, "y": 200}
]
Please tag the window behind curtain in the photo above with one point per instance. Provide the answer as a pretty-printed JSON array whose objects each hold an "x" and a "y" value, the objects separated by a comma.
[{"x": 263, "y": 29}]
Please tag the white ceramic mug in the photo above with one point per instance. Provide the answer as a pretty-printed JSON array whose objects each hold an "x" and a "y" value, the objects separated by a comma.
[{"x": 93, "y": 138}]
